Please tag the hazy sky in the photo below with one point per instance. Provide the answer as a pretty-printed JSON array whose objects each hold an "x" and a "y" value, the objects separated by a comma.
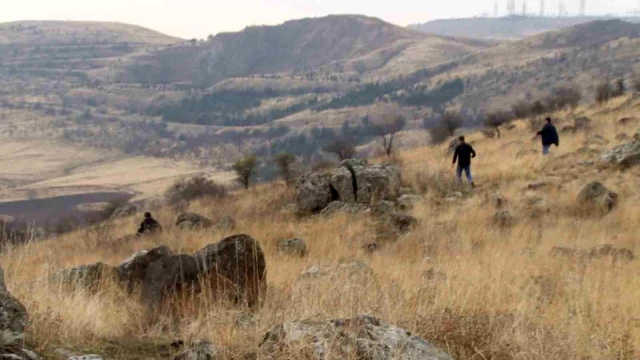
[{"x": 198, "y": 18}]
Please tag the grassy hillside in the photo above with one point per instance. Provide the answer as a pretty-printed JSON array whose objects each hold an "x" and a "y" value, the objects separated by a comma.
[
  {"x": 333, "y": 44},
  {"x": 77, "y": 33},
  {"x": 509, "y": 28},
  {"x": 476, "y": 289}
]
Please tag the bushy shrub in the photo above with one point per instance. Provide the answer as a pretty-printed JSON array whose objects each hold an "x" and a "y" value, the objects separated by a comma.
[{"x": 193, "y": 188}]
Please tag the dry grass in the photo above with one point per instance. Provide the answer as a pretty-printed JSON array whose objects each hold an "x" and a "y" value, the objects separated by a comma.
[{"x": 477, "y": 290}]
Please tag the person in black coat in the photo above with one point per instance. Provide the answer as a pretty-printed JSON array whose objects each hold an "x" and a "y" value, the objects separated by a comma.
[
  {"x": 549, "y": 136},
  {"x": 149, "y": 225},
  {"x": 463, "y": 154}
]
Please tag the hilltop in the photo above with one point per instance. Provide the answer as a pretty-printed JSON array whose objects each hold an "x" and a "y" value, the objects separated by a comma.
[
  {"x": 505, "y": 28},
  {"x": 333, "y": 44},
  {"x": 78, "y": 33}
]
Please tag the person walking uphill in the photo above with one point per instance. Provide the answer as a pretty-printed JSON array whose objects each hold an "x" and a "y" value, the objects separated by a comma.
[
  {"x": 463, "y": 154},
  {"x": 149, "y": 225},
  {"x": 549, "y": 136}
]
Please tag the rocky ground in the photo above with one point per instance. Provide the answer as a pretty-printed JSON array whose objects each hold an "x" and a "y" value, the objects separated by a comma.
[{"x": 387, "y": 259}]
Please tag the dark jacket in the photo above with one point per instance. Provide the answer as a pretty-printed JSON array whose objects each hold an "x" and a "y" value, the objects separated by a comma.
[
  {"x": 549, "y": 135},
  {"x": 464, "y": 153},
  {"x": 148, "y": 226}
]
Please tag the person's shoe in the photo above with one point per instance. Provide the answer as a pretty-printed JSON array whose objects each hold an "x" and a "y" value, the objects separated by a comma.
[{"x": 473, "y": 185}]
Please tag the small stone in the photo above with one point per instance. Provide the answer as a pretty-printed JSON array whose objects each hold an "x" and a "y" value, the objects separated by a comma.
[{"x": 295, "y": 247}]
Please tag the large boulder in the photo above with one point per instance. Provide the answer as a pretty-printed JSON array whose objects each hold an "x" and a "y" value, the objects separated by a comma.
[
  {"x": 193, "y": 221},
  {"x": 13, "y": 316},
  {"x": 339, "y": 207},
  {"x": 13, "y": 319},
  {"x": 169, "y": 275},
  {"x": 133, "y": 270},
  {"x": 313, "y": 192},
  {"x": 378, "y": 182},
  {"x": 89, "y": 277},
  {"x": 354, "y": 181},
  {"x": 595, "y": 197},
  {"x": 240, "y": 259},
  {"x": 626, "y": 155},
  {"x": 363, "y": 337}
]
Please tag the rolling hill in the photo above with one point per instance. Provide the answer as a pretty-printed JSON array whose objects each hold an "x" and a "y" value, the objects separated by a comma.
[
  {"x": 332, "y": 44},
  {"x": 509, "y": 28}
]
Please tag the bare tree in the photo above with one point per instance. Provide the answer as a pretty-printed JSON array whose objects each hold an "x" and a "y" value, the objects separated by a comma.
[
  {"x": 563, "y": 97},
  {"x": 284, "y": 162},
  {"x": 388, "y": 132},
  {"x": 245, "y": 168},
  {"x": 604, "y": 92},
  {"x": 496, "y": 119},
  {"x": 342, "y": 148},
  {"x": 451, "y": 120}
]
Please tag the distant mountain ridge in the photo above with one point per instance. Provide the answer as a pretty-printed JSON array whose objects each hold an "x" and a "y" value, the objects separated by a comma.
[{"x": 505, "y": 28}]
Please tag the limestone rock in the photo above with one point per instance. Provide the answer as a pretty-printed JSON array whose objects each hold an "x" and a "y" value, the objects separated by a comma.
[
  {"x": 363, "y": 336},
  {"x": 626, "y": 155},
  {"x": 133, "y": 270},
  {"x": 596, "y": 197},
  {"x": 169, "y": 275},
  {"x": 193, "y": 221},
  {"x": 295, "y": 247},
  {"x": 313, "y": 192},
  {"x": 225, "y": 224},
  {"x": 407, "y": 202},
  {"x": 201, "y": 350},
  {"x": 89, "y": 276},
  {"x": 240, "y": 259},
  {"x": 13, "y": 317},
  {"x": 337, "y": 207}
]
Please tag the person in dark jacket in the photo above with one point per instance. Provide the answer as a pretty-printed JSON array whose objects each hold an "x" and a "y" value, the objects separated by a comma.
[
  {"x": 463, "y": 154},
  {"x": 149, "y": 225},
  {"x": 549, "y": 136}
]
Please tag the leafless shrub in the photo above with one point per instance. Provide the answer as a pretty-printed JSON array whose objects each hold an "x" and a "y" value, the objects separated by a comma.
[
  {"x": 604, "y": 92},
  {"x": 388, "y": 131},
  {"x": 496, "y": 119},
  {"x": 438, "y": 135},
  {"x": 342, "y": 148},
  {"x": 451, "y": 121},
  {"x": 564, "y": 97},
  {"x": 197, "y": 187}
]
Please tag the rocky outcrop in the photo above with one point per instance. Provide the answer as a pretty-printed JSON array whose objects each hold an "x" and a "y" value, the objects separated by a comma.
[
  {"x": 293, "y": 247},
  {"x": 201, "y": 350},
  {"x": 354, "y": 181},
  {"x": 240, "y": 259},
  {"x": 596, "y": 198},
  {"x": 133, "y": 270},
  {"x": 169, "y": 275},
  {"x": 193, "y": 221},
  {"x": 314, "y": 192},
  {"x": 339, "y": 207},
  {"x": 13, "y": 319},
  {"x": 90, "y": 276},
  {"x": 626, "y": 155},
  {"x": 225, "y": 224},
  {"x": 363, "y": 337}
]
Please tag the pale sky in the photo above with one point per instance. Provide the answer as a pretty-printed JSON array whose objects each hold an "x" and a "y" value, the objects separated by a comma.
[{"x": 199, "y": 18}]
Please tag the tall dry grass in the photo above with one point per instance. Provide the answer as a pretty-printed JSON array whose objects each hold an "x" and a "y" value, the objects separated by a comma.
[{"x": 477, "y": 290}]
